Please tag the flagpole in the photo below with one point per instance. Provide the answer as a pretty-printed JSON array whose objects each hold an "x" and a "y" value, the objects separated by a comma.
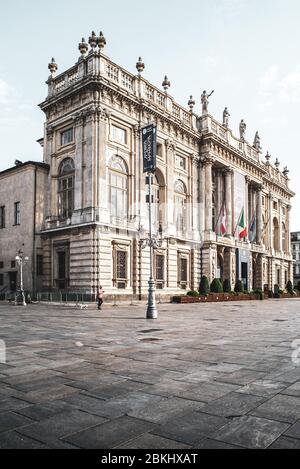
[
  {"x": 238, "y": 221},
  {"x": 216, "y": 224}
]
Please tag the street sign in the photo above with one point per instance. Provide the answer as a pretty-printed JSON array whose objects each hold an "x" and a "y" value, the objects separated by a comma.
[{"x": 149, "y": 137}]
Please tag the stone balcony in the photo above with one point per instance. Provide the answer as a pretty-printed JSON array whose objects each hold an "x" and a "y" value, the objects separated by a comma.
[
  {"x": 207, "y": 124},
  {"x": 98, "y": 67}
]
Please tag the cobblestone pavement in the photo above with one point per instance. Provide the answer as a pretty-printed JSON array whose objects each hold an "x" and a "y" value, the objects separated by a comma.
[{"x": 201, "y": 376}]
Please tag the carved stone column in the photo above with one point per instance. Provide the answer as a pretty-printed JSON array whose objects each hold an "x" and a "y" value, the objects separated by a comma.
[
  {"x": 280, "y": 225},
  {"x": 287, "y": 230},
  {"x": 208, "y": 161},
  {"x": 202, "y": 197},
  {"x": 195, "y": 215},
  {"x": 259, "y": 222},
  {"x": 51, "y": 204},
  {"x": 228, "y": 199},
  {"x": 78, "y": 160},
  {"x": 247, "y": 218},
  {"x": 270, "y": 220}
]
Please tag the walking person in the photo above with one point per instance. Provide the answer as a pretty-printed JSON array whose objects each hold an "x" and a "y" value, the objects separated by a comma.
[{"x": 100, "y": 294}]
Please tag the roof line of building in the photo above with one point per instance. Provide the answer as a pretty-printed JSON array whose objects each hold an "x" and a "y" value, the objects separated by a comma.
[{"x": 38, "y": 164}]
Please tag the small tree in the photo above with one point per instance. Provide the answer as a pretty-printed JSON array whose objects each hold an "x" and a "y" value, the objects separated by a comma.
[
  {"x": 204, "y": 286},
  {"x": 289, "y": 287},
  {"x": 239, "y": 287},
  {"x": 216, "y": 286},
  {"x": 226, "y": 286},
  {"x": 193, "y": 293}
]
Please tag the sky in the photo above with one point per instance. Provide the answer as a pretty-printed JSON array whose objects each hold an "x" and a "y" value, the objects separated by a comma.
[{"x": 245, "y": 50}]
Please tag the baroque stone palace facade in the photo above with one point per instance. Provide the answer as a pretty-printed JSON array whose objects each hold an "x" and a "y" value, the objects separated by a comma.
[{"x": 95, "y": 208}]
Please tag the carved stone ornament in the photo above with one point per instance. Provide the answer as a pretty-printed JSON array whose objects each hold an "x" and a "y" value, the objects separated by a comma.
[{"x": 170, "y": 145}]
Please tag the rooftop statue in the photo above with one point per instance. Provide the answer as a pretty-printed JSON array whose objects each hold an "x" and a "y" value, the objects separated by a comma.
[
  {"x": 204, "y": 101},
  {"x": 243, "y": 127},
  {"x": 226, "y": 116}
]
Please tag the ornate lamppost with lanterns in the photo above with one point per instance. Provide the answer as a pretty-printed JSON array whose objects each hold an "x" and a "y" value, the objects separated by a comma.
[{"x": 21, "y": 260}]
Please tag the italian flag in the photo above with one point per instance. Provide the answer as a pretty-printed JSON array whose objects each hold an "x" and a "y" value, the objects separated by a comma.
[
  {"x": 224, "y": 221},
  {"x": 242, "y": 226}
]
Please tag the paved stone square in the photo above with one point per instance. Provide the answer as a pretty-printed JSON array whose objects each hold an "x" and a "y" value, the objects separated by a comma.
[{"x": 201, "y": 376}]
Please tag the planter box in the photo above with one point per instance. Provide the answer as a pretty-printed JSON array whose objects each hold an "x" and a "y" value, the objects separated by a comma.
[{"x": 214, "y": 298}]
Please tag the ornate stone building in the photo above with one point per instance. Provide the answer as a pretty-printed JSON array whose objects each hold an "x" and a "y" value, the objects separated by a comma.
[{"x": 208, "y": 184}]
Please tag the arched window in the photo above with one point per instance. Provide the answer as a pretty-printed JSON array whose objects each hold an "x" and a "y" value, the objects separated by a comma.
[
  {"x": 158, "y": 191},
  {"x": 118, "y": 188},
  {"x": 156, "y": 201},
  {"x": 66, "y": 177},
  {"x": 180, "y": 199},
  {"x": 283, "y": 237},
  {"x": 219, "y": 267},
  {"x": 275, "y": 234}
]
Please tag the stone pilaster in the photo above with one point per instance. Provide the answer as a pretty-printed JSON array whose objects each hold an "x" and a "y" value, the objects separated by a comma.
[
  {"x": 208, "y": 162},
  {"x": 247, "y": 219},
  {"x": 259, "y": 211},
  {"x": 202, "y": 198},
  {"x": 78, "y": 161},
  {"x": 270, "y": 220},
  {"x": 195, "y": 222},
  {"x": 228, "y": 198}
]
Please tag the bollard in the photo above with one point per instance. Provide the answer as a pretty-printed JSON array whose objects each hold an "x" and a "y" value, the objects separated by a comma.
[{"x": 115, "y": 300}]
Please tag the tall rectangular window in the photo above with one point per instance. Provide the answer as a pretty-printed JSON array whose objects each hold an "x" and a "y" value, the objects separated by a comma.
[
  {"x": 1, "y": 264},
  {"x": 160, "y": 271},
  {"x": 17, "y": 213},
  {"x": 180, "y": 162},
  {"x": 1, "y": 280},
  {"x": 121, "y": 268},
  {"x": 119, "y": 135},
  {"x": 2, "y": 217},
  {"x": 67, "y": 136},
  {"x": 183, "y": 269},
  {"x": 39, "y": 265}
]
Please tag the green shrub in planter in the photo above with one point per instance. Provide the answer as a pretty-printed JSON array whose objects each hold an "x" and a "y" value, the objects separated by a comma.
[
  {"x": 226, "y": 286},
  {"x": 239, "y": 287},
  {"x": 204, "y": 286},
  {"x": 193, "y": 293},
  {"x": 289, "y": 287},
  {"x": 216, "y": 286}
]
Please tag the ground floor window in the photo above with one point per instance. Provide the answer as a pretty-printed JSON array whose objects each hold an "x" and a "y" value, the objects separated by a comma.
[
  {"x": 61, "y": 266},
  {"x": 160, "y": 270},
  {"x": 39, "y": 265},
  {"x": 278, "y": 277},
  {"x": 121, "y": 257},
  {"x": 183, "y": 271}
]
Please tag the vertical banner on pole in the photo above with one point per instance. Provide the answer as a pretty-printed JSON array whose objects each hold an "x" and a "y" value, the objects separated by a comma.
[{"x": 149, "y": 142}]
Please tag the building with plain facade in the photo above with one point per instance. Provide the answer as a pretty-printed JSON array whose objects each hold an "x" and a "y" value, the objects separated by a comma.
[
  {"x": 295, "y": 241},
  {"x": 22, "y": 192},
  {"x": 209, "y": 187}
]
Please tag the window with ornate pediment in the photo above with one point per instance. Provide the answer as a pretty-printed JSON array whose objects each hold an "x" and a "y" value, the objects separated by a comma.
[
  {"x": 66, "y": 176},
  {"x": 180, "y": 204},
  {"x": 118, "y": 195}
]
